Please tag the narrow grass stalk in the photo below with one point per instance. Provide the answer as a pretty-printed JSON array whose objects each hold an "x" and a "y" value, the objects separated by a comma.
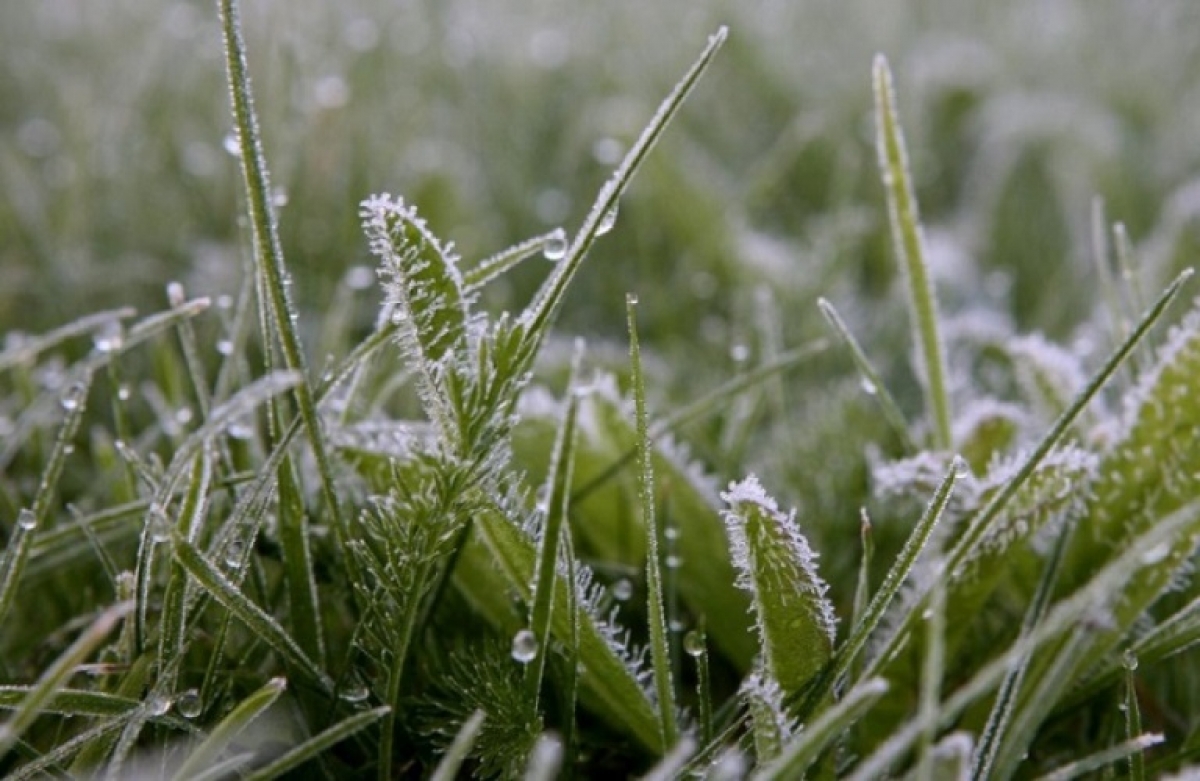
[
  {"x": 871, "y": 380},
  {"x": 28, "y": 520},
  {"x": 1002, "y": 709},
  {"x": 862, "y": 589},
  {"x": 27, "y": 351},
  {"x": 313, "y": 747},
  {"x": 191, "y": 355},
  {"x": 550, "y": 245},
  {"x": 696, "y": 645},
  {"x": 1133, "y": 719},
  {"x": 57, "y": 673},
  {"x": 1088, "y": 766},
  {"x": 50, "y": 763},
  {"x": 545, "y": 759},
  {"x": 540, "y": 314},
  {"x": 558, "y": 481},
  {"x": 910, "y": 247},
  {"x": 447, "y": 768},
  {"x": 70, "y": 702},
  {"x": 894, "y": 579},
  {"x": 660, "y": 651},
  {"x": 931, "y": 672},
  {"x": 269, "y": 262}
]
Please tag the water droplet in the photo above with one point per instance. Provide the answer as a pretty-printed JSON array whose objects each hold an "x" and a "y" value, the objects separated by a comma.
[
  {"x": 232, "y": 144},
  {"x": 158, "y": 706},
  {"x": 1157, "y": 553},
  {"x": 555, "y": 246},
  {"x": 224, "y": 347},
  {"x": 674, "y": 562},
  {"x": 183, "y": 416},
  {"x": 110, "y": 337},
  {"x": 962, "y": 469},
  {"x": 234, "y": 553},
  {"x": 356, "y": 692},
  {"x": 175, "y": 294},
  {"x": 926, "y": 614},
  {"x": 631, "y": 299},
  {"x": 279, "y": 197},
  {"x": 399, "y": 316},
  {"x": 524, "y": 646},
  {"x": 671, "y": 532},
  {"x": 622, "y": 590},
  {"x": 607, "y": 221},
  {"x": 224, "y": 301},
  {"x": 27, "y": 519},
  {"x": 868, "y": 387},
  {"x": 676, "y": 625},
  {"x": 160, "y": 524},
  {"x": 739, "y": 353},
  {"x": 73, "y": 397},
  {"x": 189, "y": 704},
  {"x": 1129, "y": 660},
  {"x": 360, "y": 277},
  {"x": 239, "y": 431},
  {"x": 123, "y": 393},
  {"x": 693, "y": 643}
]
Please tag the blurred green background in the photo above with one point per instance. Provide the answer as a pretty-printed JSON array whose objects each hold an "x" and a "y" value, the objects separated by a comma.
[{"x": 501, "y": 119}]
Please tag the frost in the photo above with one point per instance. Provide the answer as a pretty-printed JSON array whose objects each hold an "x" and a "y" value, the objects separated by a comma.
[{"x": 1049, "y": 375}]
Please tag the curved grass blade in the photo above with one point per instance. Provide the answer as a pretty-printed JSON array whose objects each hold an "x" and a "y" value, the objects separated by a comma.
[
  {"x": 317, "y": 744},
  {"x": 47, "y": 763},
  {"x": 238, "y": 719},
  {"x": 538, "y": 317},
  {"x": 1088, "y": 766},
  {"x": 70, "y": 702},
  {"x": 45, "y": 690},
  {"x": 447, "y": 768},
  {"x": 27, "y": 350},
  {"x": 548, "y": 245},
  {"x": 872, "y": 382},
  {"x": 910, "y": 248},
  {"x": 660, "y": 651}
]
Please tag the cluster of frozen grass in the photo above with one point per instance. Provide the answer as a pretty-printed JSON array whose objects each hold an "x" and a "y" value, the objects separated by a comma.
[{"x": 272, "y": 528}]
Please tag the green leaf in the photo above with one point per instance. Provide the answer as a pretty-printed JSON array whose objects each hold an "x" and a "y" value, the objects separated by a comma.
[{"x": 796, "y": 622}]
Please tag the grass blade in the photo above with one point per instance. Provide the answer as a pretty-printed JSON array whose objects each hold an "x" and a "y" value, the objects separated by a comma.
[
  {"x": 56, "y": 673},
  {"x": 660, "y": 650},
  {"x": 27, "y": 350},
  {"x": 229, "y": 727},
  {"x": 1089, "y": 765},
  {"x": 255, "y": 618},
  {"x": 314, "y": 746},
  {"x": 447, "y": 768},
  {"x": 910, "y": 248}
]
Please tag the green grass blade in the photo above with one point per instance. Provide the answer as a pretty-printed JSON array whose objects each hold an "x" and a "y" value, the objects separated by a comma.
[
  {"x": 316, "y": 745},
  {"x": 558, "y": 483},
  {"x": 800, "y": 753},
  {"x": 776, "y": 566},
  {"x": 660, "y": 651},
  {"x": 70, "y": 702},
  {"x": 541, "y": 313},
  {"x": 28, "y": 521},
  {"x": 255, "y": 618},
  {"x": 872, "y": 382},
  {"x": 49, "y": 762},
  {"x": 910, "y": 248},
  {"x": 1133, "y": 719},
  {"x": 932, "y": 663},
  {"x": 229, "y": 727},
  {"x": 26, "y": 351},
  {"x": 447, "y": 768},
  {"x": 268, "y": 255},
  {"x": 550, "y": 245},
  {"x": 57, "y": 673},
  {"x": 1089, "y": 766},
  {"x": 303, "y": 596}
]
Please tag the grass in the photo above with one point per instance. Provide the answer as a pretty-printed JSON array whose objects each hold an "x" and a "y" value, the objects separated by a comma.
[{"x": 366, "y": 507}]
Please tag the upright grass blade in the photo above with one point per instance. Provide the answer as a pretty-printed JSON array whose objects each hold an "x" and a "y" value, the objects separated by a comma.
[
  {"x": 538, "y": 317},
  {"x": 223, "y": 734},
  {"x": 910, "y": 248},
  {"x": 316, "y": 745},
  {"x": 57, "y": 673},
  {"x": 931, "y": 673},
  {"x": 558, "y": 483},
  {"x": 660, "y": 649},
  {"x": 28, "y": 521},
  {"x": 447, "y": 768},
  {"x": 268, "y": 255},
  {"x": 871, "y": 380},
  {"x": 1133, "y": 719},
  {"x": 795, "y": 620}
]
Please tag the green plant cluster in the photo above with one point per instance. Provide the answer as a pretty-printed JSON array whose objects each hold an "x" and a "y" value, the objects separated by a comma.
[{"x": 465, "y": 546}]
